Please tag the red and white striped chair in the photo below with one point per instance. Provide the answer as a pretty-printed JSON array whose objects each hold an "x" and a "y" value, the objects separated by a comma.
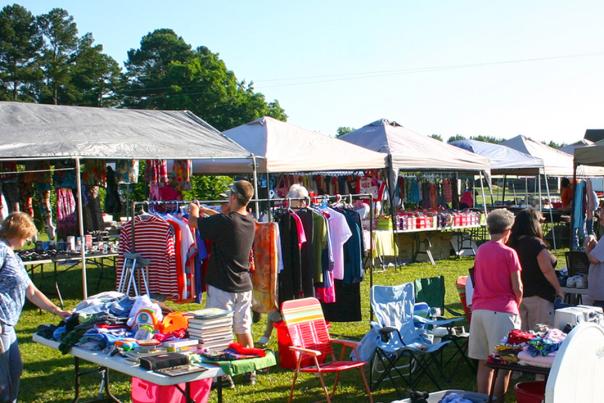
[{"x": 310, "y": 340}]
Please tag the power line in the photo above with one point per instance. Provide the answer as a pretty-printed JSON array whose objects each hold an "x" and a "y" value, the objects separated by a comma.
[{"x": 335, "y": 77}]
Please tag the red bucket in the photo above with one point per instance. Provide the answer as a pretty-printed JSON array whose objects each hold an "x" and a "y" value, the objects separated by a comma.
[{"x": 530, "y": 392}]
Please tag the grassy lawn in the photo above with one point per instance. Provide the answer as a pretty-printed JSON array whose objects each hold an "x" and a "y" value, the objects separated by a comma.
[{"x": 48, "y": 375}]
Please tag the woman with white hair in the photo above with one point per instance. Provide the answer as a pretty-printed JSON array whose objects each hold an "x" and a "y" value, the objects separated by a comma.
[{"x": 497, "y": 296}]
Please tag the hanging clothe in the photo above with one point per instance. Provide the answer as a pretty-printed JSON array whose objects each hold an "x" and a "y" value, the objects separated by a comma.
[
  {"x": 66, "y": 213},
  {"x": 126, "y": 171},
  {"x": 154, "y": 240},
  {"x": 182, "y": 170},
  {"x": 94, "y": 173},
  {"x": 113, "y": 204},
  {"x": 266, "y": 263}
]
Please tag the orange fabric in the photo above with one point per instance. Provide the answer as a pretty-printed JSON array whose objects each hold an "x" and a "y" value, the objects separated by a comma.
[{"x": 264, "y": 276}]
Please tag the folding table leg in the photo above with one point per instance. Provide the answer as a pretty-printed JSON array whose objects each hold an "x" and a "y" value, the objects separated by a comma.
[{"x": 76, "y": 366}]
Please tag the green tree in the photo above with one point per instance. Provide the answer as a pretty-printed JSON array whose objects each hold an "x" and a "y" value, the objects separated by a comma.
[
  {"x": 343, "y": 130},
  {"x": 437, "y": 137},
  {"x": 20, "y": 44},
  {"x": 94, "y": 76},
  {"x": 165, "y": 73},
  {"x": 488, "y": 139},
  {"x": 61, "y": 37},
  {"x": 555, "y": 145},
  {"x": 455, "y": 138}
]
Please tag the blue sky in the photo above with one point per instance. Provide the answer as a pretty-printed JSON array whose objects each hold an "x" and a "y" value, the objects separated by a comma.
[{"x": 348, "y": 63}]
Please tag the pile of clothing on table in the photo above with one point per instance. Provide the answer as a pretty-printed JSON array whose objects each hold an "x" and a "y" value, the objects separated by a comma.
[
  {"x": 114, "y": 322},
  {"x": 536, "y": 348},
  {"x": 101, "y": 320}
]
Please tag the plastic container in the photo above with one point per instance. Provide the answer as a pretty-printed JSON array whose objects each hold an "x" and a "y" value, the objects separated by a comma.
[
  {"x": 530, "y": 392},
  {"x": 146, "y": 392},
  {"x": 460, "y": 284}
]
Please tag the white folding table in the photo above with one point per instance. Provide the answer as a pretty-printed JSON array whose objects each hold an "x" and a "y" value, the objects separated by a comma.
[{"x": 117, "y": 363}]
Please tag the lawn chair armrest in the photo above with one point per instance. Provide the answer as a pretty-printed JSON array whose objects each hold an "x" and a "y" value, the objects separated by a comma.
[
  {"x": 454, "y": 313},
  {"x": 346, "y": 343},
  {"x": 307, "y": 351}
]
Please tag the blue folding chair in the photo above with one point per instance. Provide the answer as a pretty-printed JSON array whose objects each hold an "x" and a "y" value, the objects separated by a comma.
[{"x": 397, "y": 345}]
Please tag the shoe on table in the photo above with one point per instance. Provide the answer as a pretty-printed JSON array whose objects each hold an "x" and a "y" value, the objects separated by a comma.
[
  {"x": 249, "y": 378},
  {"x": 263, "y": 341}
]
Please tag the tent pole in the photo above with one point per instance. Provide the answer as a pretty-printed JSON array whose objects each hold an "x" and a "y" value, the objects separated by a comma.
[
  {"x": 484, "y": 201},
  {"x": 572, "y": 209},
  {"x": 255, "y": 171},
  {"x": 551, "y": 214},
  {"x": 370, "y": 254},
  {"x": 526, "y": 190},
  {"x": 268, "y": 196},
  {"x": 505, "y": 178},
  {"x": 81, "y": 225},
  {"x": 540, "y": 203}
]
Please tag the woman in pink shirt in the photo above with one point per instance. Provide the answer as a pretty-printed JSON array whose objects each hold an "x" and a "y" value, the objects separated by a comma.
[{"x": 497, "y": 295}]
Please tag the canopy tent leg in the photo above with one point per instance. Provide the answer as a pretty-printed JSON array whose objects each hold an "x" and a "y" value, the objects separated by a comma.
[
  {"x": 255, "y": 172},
  {"x": 505, "y": 179},
  {"x": 540, "y": 202},
  {"x": 526, "y": 190},
  {"x": 551, "y": 214},
  {"x": 484, "y": 201},
  {"x": 81, "y": 225},
  {"x": 573, "y": 235}
]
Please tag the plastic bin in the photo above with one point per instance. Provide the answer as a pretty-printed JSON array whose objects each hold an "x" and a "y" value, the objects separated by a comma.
[
  {"x": 146, "y": 392},
  {"x": 530, "y": 392},
  {"x": 460, "y": 284}
]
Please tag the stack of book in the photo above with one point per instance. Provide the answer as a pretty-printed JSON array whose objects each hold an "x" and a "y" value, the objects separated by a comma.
[{"x": 213, "y": 327}]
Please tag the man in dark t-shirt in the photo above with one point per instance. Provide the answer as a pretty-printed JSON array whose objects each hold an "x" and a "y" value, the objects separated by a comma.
[{"x": 228, "y": 276}]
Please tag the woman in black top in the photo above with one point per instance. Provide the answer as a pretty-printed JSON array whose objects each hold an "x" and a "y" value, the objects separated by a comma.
[{"x": 541, "y": 285}]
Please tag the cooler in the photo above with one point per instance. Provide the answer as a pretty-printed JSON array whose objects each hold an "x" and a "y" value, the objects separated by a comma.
[{"x": 146, "y": 392}]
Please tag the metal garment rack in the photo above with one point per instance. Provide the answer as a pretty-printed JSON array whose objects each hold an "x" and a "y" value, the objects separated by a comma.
[{"x": 309, "y": 200}]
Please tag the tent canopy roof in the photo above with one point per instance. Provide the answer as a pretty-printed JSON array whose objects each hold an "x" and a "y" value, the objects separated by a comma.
[
  {"x": 504, "y": 160},
  {"x": 570, "y": 148},
  {"x": 590, "y": 155},
  {"x": 414, "y": 151},
  {"x": 56, "y": 131},
  {"x": 283, "y": 147},
  {"x": 556, "y": 162}
]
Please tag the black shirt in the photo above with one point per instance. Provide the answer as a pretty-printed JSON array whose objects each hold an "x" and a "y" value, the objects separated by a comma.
[
  {"x": 533, "y": 281},
  {"x": 232, "y": 236}
]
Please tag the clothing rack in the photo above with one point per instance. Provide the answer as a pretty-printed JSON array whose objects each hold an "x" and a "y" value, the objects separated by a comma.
[{"x": 337, "y": 198}]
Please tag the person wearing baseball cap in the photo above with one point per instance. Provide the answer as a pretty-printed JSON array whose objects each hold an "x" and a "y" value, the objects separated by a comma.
[{"x": 232, "y": 234}]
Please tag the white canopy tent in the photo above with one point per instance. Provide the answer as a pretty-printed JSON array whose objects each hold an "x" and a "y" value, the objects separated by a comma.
[
  {"x": 33, "y": 131},
  {"x": 413, "y": 151},
  {"x": 282, "y": 147},
  {"x": 503, "y": 160},
  {"x": 556, "y": 162}
]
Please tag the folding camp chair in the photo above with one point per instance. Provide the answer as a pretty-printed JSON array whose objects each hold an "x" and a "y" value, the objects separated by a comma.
[
  {"x": 398, "y": 348},
  {"x": 432, "y": 291},
  {"x": 310, "y": 339}
]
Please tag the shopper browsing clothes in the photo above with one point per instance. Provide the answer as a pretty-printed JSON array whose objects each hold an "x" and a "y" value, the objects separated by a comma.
[
  {"x": 497, "y": 295},
  {"x": 15, "y": 286},
  {"x": 228, "y": 277},
  {"x": 539, "y": 280}
]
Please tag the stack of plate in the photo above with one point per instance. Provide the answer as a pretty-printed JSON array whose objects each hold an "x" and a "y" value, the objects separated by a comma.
[{"x": 212, "y": 326}]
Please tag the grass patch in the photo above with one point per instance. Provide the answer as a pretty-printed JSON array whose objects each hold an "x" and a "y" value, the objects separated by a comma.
[{"x": 48, "y": 375}]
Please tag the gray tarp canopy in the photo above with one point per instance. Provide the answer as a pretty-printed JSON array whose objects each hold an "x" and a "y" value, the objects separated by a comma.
[
  {"x": 34, "y": 131},
  {"x": 55, "y": 131},
  {"x": 504, "y": 160}
]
